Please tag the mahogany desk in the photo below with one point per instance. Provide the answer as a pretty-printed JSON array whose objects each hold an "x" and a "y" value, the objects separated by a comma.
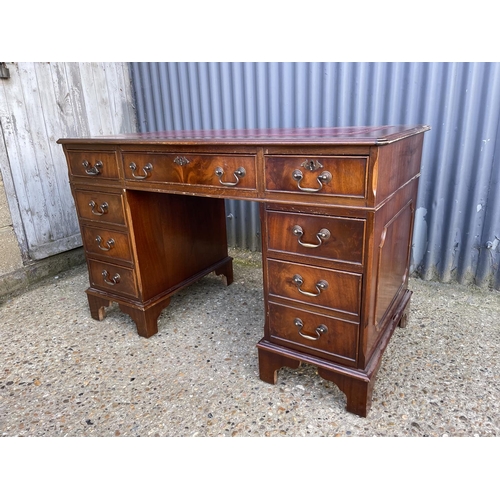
[{"x": 337, "y": 210}]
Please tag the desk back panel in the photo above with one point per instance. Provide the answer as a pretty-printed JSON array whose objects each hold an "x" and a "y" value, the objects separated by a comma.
[{"x": 175, "y": 237}]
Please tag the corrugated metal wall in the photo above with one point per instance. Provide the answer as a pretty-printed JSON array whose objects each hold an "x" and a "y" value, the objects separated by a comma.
[{"x": 457, "y": 231}]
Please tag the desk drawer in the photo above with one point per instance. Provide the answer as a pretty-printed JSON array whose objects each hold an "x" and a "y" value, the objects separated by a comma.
[
  {"x": 106, "y": 244},
  {"x": 313, "y": 333},
  {"x": 324, "y": 175},
  {"x": 333, "y": 238},
  {"x": 112, "y": 278},
  {"x": 206, "y": 170},
  {"x": 93, "y": 164},
  {"x": 336, "y": 290},
  {"x": 100, "y": 206}
]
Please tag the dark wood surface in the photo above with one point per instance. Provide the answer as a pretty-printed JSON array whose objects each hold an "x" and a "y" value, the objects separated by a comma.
[
  {"x": 369, "y": 135},
  {"x": 338, "y": 343},
  {"x": 348, "y": 175},
  {"x": 345, "y": 243},
  {"x": 104, "y": 244},
  {"x": 337, "y": 212},
  {"x": 193, "y": 169},
  {"x": 320, "y": 287},
  {"x": 176, "y": 237},
  {"x": 81, "y": 163},
  {"x": 100, "y": 206}
]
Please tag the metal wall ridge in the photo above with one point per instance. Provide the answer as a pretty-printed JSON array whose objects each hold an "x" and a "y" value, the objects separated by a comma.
[{"x": 457, "y": 228}]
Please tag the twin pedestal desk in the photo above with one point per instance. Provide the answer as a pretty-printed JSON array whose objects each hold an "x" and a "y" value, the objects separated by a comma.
[{"x": 337, "y": 210}]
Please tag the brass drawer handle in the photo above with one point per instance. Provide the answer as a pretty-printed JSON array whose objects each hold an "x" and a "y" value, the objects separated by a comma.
[
  {"x": 109, "y": 244},
  {"x": 92, "y": 170},
  {"x": 323, "y": 235},
  {"x": 102, "y": 209},
  {"x": 325, "y": 177},
  {"x": 238, "y": 174},
  {"x": 114, "y": 280},
  {"x": 147, "y": 169},
  {"x": 320, "y": 286},
  {"x": 320, "y": 330}
]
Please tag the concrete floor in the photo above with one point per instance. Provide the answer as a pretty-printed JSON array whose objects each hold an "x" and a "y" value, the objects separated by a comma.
[{"x": 64, "y": 374}]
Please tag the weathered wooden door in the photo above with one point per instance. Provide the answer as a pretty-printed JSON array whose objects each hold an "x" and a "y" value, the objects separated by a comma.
[{"x": 40, "y": 103}]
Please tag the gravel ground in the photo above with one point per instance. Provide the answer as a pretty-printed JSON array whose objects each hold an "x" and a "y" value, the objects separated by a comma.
[{"x": 64, "y": 374}]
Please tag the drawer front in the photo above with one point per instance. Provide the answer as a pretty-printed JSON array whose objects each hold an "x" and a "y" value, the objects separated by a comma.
[
  {"x": 112, "y": 278},
  {"x": 100, "y": 206},
  {"x": 316, "y": 334},
  {"x": 107, "y": 244},
  {"x": 324, "y": 175},
  {"x": 337, "y": 290},
  {"x": 333, "y": 238},
  {"x": 206, "y": 170},
  {"x": 93, "y": 164}
]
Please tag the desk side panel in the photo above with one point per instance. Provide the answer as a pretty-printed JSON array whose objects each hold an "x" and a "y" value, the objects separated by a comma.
[
  {"x": 397, "y": 164},
  {"x": 389, "y": 262}
]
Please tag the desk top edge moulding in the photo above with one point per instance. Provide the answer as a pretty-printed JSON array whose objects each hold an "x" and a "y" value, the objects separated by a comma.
[
  {"x": 367, "y": 135},
  {"x": 337, "y": 207}
]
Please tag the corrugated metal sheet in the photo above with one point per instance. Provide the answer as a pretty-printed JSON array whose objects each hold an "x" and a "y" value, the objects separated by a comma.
[
  {"x": 457, "y": 231},
  {"x": 40, "y": 103}
]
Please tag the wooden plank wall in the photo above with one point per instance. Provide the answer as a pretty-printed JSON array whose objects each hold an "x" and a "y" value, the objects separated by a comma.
[{"x": 40, "y": 103}]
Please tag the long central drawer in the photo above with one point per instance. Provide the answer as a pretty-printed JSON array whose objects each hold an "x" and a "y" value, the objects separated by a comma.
[{"x": 234, "y": 171}]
